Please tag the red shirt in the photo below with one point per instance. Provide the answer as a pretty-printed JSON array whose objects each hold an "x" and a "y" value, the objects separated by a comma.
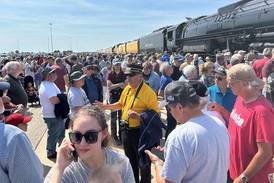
[
  {"x": 60, "y": 81},
  {"x": 248, "y": 124},
  {"x": 267, "y": 69},
  {"x": 258, "y": 66}
]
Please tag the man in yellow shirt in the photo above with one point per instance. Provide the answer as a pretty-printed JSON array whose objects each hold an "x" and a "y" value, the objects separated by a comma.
[{"x": 136, "y": 98}]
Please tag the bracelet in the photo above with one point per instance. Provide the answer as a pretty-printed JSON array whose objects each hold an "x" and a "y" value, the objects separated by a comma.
[{"x": 244, "y": 178}]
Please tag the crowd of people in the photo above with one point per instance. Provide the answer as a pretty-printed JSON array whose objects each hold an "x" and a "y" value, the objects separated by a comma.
[{"x": 218, "y": 124}]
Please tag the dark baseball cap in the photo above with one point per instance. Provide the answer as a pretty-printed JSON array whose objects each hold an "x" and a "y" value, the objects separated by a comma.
[
  {"x": 76, "y": 76},
  {"x": 221, "y": 71},
  {"x": 133, "y": 69},
  {"x": 178, "y": 91},
  {"x": 199, "y": 87}
]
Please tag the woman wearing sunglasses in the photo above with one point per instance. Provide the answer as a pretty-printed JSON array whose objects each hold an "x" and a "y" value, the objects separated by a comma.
[{"x": 87, "y": 150}]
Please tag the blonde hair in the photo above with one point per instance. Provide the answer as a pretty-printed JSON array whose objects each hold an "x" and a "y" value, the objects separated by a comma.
[
  {"x": 11, "y": 66},
  {"x": 205, "y": 67},
  {"x": 163, "y": 67}
]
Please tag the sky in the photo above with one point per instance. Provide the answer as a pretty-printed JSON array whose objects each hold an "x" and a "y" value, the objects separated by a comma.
[{"x": 89, "y": 25}]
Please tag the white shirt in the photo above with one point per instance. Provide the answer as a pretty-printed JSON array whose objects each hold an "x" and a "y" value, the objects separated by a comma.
[
  {"x": 28, "y": 71},
  {"x": 46, "y": 91},
  {"x": 76, "y": 98},
  {"x": 197, "y": 151}
]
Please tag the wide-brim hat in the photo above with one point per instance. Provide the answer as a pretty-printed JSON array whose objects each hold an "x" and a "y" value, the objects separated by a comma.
[
  {"x": 46, "y": 71},
  {"x": 76, "y": 76}
]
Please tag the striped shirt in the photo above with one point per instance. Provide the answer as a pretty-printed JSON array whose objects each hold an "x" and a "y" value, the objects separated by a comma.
[{"x": 18, "y": 162}]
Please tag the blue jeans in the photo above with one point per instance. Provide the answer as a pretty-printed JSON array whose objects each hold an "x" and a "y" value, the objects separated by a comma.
[{"x": 56, "y": 133}]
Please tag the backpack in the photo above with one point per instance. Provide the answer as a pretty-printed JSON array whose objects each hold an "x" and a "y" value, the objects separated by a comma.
[{"x": 61, "y": 110}]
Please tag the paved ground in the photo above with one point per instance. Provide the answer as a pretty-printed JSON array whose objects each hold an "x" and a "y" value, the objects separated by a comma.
[{"x": 37, "y": 133}]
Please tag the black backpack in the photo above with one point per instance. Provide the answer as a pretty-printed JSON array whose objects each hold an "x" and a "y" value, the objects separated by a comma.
[{"x": 61, "y": 110}]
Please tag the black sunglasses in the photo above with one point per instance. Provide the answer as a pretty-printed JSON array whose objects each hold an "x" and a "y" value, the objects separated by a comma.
[
  {"x": 219, "y": 78},
  {"x": 90, "y": 136}
]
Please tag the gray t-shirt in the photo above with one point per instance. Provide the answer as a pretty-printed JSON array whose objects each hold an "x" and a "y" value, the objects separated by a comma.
[
  {"x": 76, "y": 98},
  {"x": 197, "y": 151},
  {"x": 80, "y": 173}
]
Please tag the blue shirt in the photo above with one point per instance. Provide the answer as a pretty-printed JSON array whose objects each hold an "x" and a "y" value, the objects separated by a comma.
[
  {"x": 226, "y": 100},
  {"x": 92, "y": 91},
  {"x": 18, "y": 162},
  {"x": 165, "y": 80}
]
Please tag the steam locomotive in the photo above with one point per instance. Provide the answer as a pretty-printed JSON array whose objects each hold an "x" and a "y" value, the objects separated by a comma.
[{"x": 244, "y": 24}]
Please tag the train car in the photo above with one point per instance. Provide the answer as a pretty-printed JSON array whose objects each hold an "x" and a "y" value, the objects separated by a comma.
[
  {"x": 132, "y": 46},
  {"x": 234, "y": 27},
  {"x": 115, "y": 49},
  {"x": 155, "y": 41},
  {"x": 107, "y": 50},
  {"x": 122, "y": 48},
  {"x": 173, "y": 34}
]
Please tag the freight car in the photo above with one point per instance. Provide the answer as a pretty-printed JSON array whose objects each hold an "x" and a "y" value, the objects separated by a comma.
[{"x": 132, "y": 46}]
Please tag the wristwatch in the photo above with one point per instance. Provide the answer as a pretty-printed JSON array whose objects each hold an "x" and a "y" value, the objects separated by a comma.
[{"x": 244, "y": 178}]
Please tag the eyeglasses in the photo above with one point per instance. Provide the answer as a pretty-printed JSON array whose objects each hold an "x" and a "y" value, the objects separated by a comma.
[
  {"x": 171, "y": 105},
  {"x": 90, "y": 136}
]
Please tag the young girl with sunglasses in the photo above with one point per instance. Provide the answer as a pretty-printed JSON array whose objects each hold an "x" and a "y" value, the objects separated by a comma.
[{"x": 87, "y": 150}]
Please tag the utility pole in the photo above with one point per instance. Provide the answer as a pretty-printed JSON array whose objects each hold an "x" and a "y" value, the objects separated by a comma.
[{"x": 50, "y": 26}]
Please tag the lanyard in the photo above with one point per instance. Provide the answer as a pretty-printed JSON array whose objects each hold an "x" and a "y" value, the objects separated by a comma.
[{"x": 135, "y": 96}]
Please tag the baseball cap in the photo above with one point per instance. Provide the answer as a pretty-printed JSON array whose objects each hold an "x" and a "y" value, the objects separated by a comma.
[
  {"x": 179, "y": 58},
  {"x": 16, "y": 119},
  {"x": 76, "y": 76},
  {"x": 46, "y": 71},
  {"x": 220, "y": 70},
  {"x": 116, "y": 61},
  {"x": 132, "y": 69},
  {"x": 4, "y": 85},
  {"x": 241, "y": 52},
  {"x": 178, "y": 91},
  {"x": 199, "y": 87},
  {"x": 244, "y": 72}
]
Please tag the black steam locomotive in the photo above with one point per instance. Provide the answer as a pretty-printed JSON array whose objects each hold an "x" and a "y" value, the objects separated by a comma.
[{"x": 247, "y": 23}]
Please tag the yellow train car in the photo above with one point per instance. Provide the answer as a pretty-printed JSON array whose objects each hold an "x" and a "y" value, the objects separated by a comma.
[
  {"x": 122, "y": 48},
  {"x": 115, "y": 49},
  {"x": 132, "y": 46},
  {"x": 108, "y": 50}
]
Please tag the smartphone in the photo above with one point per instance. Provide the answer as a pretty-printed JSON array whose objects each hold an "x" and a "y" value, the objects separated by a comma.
[
  {"x": 74, "y": 155},
  {"x": 158, "y": 153}
]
